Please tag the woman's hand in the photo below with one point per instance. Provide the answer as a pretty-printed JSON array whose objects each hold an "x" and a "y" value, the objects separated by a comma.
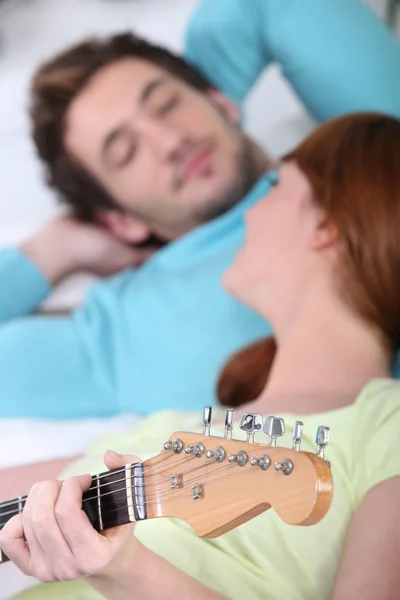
[{"x": 53, "y": 539}]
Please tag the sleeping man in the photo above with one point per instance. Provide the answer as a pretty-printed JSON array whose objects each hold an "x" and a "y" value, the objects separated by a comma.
[{"x": 147, "y": 148}]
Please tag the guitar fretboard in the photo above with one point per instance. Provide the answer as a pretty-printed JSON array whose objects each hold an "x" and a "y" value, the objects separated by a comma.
[{"x": 114, "y": 498}]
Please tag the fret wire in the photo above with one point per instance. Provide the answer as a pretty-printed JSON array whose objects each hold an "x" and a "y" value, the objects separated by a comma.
[
  {"x": 12, "y": 501},
  {"x": 12, "y": 512},
  {"x": 99, "y": 504}
]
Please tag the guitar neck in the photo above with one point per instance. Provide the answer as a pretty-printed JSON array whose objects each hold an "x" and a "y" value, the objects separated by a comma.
[{"x": 114, "y": 498}]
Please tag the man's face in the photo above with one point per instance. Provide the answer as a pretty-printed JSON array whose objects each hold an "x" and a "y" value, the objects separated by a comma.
[{"x": 165, "y": 152}]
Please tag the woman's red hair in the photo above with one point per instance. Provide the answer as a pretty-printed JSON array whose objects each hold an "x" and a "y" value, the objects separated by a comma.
[{"x": 353, "y": 166}]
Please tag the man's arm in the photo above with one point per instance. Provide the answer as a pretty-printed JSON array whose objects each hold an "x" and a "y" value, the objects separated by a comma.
[
  {"x": 63, "y": 367},
  {"x": 62, "y": 247},
  {"x": 369, "y": 568},
  {"x": 22, "y": 285},
  {"x": 337, "y": 55}
]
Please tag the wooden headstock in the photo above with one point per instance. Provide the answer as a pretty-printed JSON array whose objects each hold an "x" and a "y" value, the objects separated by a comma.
[{"x": 216, "y": 484}]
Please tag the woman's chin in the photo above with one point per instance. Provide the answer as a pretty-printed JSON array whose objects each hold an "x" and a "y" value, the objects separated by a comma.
[
  {"x": 232, "y": 282},
  {"x": 228, "y": 280},
  {"x": 231, "y": 279}
]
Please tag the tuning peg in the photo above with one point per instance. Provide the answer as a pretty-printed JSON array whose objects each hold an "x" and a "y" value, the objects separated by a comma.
[
  {"x": 240, "y": 458},
  {"x": 250, "y": 423},
  {"x": 218, "y": 454},
  {"x": 263, "y": 462},
  {"x": 195, "y": 450},
  {"x": 207, "y": 414},
  {"x": 230, "y": 415},
  {"x": 297, "y": 435},
  {"x": 274, "y": 427},
  {"x": 322, "y": 440},
  {"x": 176, "y": 446}
]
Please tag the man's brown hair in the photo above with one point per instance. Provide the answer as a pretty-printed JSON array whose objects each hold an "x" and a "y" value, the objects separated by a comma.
[{"x": 55, "y": 85}]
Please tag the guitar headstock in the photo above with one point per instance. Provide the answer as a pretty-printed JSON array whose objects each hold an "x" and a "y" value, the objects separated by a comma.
[{"x": 217, "y": 483}]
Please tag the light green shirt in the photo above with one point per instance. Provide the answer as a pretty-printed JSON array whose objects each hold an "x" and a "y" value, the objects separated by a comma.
[{"x": 265, "y": 558}]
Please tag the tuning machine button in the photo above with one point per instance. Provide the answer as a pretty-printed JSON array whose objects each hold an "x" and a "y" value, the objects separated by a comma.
[
  {"x": 322, "y": 440},
  {"x": 297, "y": 435},
  {"x": 274, "y": 427},
  {"x": 250, "y": 423},
  {"x": 207, "y": 414},
  {"x": 230, "y": 415}
]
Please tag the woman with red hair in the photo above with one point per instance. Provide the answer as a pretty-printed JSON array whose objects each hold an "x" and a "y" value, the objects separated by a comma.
[{"x": 321, "y": 262}]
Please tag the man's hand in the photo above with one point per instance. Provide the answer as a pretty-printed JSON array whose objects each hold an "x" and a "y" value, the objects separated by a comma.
[{"x": 65, "y": 246}]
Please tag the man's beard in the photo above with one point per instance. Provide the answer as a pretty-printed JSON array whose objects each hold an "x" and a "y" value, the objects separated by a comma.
[{"x": 248, "y": 170}]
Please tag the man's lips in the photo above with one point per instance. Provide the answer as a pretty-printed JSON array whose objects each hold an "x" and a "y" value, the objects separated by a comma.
[{"x": 197, "y": 164}]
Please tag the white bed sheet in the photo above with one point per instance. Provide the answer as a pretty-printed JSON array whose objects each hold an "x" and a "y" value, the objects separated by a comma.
[{"x": 25, "y": 441}]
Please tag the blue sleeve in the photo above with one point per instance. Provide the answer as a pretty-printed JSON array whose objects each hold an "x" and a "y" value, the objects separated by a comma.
[
  {"x": 62, "y": 367},
  {"x": 22, "y": 285},
  {"x": 336, "y": 54}
]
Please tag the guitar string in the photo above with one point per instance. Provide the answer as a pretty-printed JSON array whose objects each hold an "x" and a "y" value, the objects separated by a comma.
[
  {"x": 95, "y": 478},
  {"x": 171, "y": 491},
  {"x": 95, "y": 497}
]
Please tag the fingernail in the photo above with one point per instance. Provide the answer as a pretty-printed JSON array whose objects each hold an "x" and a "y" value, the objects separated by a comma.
[{"x": 115, "y": 454}]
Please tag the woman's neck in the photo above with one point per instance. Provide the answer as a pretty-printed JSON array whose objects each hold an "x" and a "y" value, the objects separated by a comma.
[{"x": 322, "y": 364}]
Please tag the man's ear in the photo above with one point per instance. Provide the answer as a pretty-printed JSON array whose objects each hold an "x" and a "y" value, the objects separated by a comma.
[
  {"x": 122, "y": 226},
  {"x": 227, "y": 105},
  {"x": 325, "y": 232}
]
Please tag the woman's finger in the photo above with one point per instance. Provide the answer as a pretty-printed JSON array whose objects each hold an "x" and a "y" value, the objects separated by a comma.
[
  {"x": 12, "y": 542},
  {"x": 113, "y": 460},
  {"x": 89, "y": 548}
]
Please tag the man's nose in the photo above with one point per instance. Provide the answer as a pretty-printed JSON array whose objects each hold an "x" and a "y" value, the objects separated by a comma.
[{"x": 168, "y": 140}]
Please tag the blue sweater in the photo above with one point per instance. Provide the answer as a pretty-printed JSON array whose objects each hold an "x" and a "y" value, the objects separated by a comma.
[{"x": 156, "y": 337}]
